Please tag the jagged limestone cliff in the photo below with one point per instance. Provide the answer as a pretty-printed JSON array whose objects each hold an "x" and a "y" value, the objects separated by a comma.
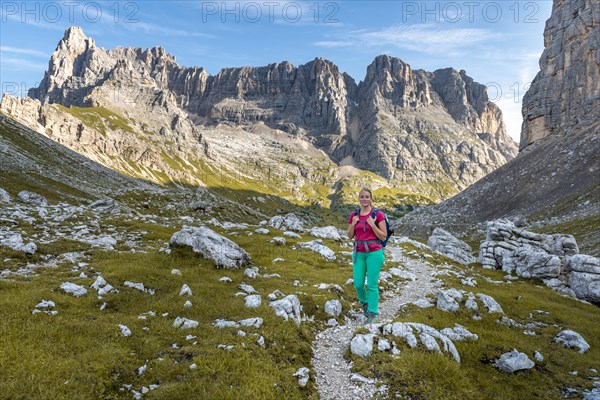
[{"x": 566, "y": 91}]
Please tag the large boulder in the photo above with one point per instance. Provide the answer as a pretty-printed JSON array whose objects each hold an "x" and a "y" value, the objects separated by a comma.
[
  {"x": 333, "y": 308},
  {"x": 453, "y": 248},
  {"x": 583, "y": 276},
  {"x": 572, "y": 339},
  {"x": 514, "y": 361},
  {"x": 32, "y": 198},
  {"x": 318, "y": 246},
  {"x": 553, "y": 258},
  {"x": 4, "y": 196},
  {"x": 15, "y": 241},
  {"x": 362, "y": 345},
  {"x": 289, "y": 221},
  {"x": 326, "y": 232},
  {"x": 288, "y": 308},
  {"x": 203, "y": 240},
  {"x": 105, "y": 206}
]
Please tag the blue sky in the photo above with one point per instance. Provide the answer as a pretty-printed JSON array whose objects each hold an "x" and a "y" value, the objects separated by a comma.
[{"x": 498, "y": 43}]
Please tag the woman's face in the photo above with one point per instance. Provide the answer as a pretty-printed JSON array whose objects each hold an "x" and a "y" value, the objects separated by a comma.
[{"x": 364, "y": 198}]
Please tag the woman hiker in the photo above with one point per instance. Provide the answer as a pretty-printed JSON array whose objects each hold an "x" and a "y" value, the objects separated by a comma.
[{"x": 368, "y": 252}]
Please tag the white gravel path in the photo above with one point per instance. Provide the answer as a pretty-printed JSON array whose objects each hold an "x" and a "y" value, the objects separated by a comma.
[{"x": 332, "y": 372}]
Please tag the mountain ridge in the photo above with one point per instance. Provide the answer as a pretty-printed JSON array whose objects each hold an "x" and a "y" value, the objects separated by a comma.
[{"x": 394, "y": 123}]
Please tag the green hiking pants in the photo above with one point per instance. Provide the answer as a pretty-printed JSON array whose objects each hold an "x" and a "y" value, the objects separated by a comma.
[{"x": 368, "y": 265}]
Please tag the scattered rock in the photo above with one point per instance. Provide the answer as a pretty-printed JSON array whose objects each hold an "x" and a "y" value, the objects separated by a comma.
[
  {"x": 423, "y": 303},
  {"x": 491, "y": 304},
  {"x": 247, "y": 288},
  {"x": 446, "y": 302},
  {"x": 469, "y": 281},
  {"x": 361, "y": 379},
  {"x": 15, "y": 242},
  {"x": 125, "y": 331},
  {"x": 185, "y": 323},
  {"x": 222, "y": 323},
  {"x": 583, "y": 276},
  {"x": 32, "y": 198},
  {"x": 429, "y": 342},
  {"x": 289, "y": 221},
  {"x": 402, "y": 274},
  {"x": 302, "y": 374},
  {"x": 459, "y": 333},
  {"x": 327, "y": 232},
  {"x": 75, "y": 290},
  {"x": 333, "y": 308},
  {"x": 224, "y": 252},
  {"x": 275, "y": 295},
  {"x": 362, "y": 345},
  {"x": 453, "y": 248},
  {"x": 552, "y": 258},
  {"x": 105, "y": 206},
  {"x": 185, "y": 290},
  {"x": 176, "y": 272},
  {"x": 262, "y": 231},
  {"x": 45, "y": 307},
  {"x": 4, "y": 196},
  {"x": 253, "y": 301},
  {"x": 200, "y": 205},
  {"x": 318, "y": 246},
  {"x": 383, "y": 345},
  {"x": 139, "y": 286},
  {"x": 251, "y": 322},
  {"x": 288, "y": 308},
  {"x": 538, "y": 356},
  {"x": 278, "y": 240},
  {"x": 225, "y": 279},
  {"x": 514, "y": 361},
  {"x": 292, "y": 235},
  {"x": 572, "y": 339},
  {"x": 251, "y": 273},
  {"x": 102, "y": 287}
]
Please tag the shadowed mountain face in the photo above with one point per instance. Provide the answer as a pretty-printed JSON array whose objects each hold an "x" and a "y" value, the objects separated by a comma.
[
  {"x": 425, "y": 135},
  {"x": 556, "y": 173}
]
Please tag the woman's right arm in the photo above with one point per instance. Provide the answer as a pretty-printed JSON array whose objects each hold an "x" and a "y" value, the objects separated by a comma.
[{"x": 351, "y": 226}]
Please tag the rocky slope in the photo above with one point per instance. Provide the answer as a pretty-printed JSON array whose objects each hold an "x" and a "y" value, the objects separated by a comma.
[
  {"x": 556, "y": 172},
  {"x": 31, "y": 161},
  {"x": 425, "y": 135}
]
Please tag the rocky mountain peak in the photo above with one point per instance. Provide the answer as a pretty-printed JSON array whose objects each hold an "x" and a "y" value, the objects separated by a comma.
[{"x": 75, "y": 41}]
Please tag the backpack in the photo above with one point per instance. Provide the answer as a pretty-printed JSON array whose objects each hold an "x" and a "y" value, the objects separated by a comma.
[{"x": 388, "y": 228}]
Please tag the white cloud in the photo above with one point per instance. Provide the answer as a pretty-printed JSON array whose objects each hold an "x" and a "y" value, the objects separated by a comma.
[
  {"x": 29, "y": 52},
  {"x": 21, "y": 63},
  {"x": 153, "y": 29},
  {"x": 425, "y": 38}
]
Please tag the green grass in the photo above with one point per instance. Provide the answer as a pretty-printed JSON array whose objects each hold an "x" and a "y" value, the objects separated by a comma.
[
  {"x": 80, "y": 353},
  {"x": 98, "y": 118}
]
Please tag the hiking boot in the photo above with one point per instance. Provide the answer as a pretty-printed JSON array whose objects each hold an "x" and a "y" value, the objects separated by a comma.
[
  {"x": 365, "y": 307},
  {"x": 371, "y": 316}
]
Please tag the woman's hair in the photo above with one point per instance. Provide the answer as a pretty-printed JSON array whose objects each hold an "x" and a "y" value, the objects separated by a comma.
[{"x": 366, "y": 190}]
